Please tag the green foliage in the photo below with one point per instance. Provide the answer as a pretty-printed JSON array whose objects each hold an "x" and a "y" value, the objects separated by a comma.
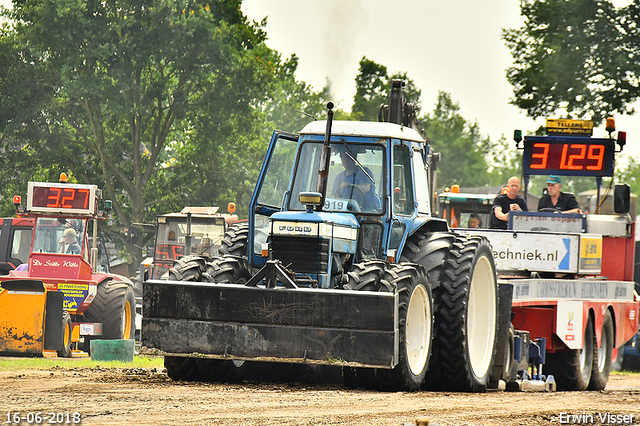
[
  {"x": 578, "y": 56},
  {"x": 460, "y": 144},
  {"x": 162, "y": 103},
  {"x": 372, "y": 90}
]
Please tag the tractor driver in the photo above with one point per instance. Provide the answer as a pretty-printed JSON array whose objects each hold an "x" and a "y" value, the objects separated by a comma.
[
  {"x": 69, "y": 244},
  {"x": 356, "y": 182}
]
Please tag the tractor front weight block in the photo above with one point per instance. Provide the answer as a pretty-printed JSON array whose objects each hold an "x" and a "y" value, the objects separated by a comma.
[{"x": 357, "y": 328}]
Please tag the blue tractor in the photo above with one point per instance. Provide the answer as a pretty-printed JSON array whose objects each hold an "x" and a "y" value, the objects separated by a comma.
[{"x": 341, "y": 263}]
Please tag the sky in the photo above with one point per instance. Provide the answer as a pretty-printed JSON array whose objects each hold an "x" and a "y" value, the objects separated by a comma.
[{"x": 453, "y": 46}]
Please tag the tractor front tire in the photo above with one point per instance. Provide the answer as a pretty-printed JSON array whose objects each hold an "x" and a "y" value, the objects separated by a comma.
[
  {"x": 228, "y": 270},
  {"x": 415, "y": 324},
  {"x": 222, "y": 371},
  {"x": 365, "y": 276},
  {"x": 67, "y": 327},
  {"x": 187, "y": 268},
  {"x": 115, "y": 307},
  {"x": 236, "y": 239},
  {"x": 181, "y": 368}
]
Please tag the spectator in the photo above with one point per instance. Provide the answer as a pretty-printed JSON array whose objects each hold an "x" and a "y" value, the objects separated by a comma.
[
  {"x": 503, "y": 204},
  {"x": 474, "y": 221},
  {"x": 557, "y": 201}
]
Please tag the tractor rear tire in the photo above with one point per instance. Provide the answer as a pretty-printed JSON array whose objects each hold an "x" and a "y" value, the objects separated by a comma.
[
  {"x": 602, "y": 356},
  {"x": 67, "y": 327},
  {"x": 181, "y": 368},
  {"x": 187, "y": 268},
  {"x": 463, "y": 277},
  {"x": 572, "y": 369},
  {"x": 222, "y": 371},
  {"x": 365, "y": 276},
  {"x": 235, "y": 240},
  {"x": 227, "y": 270},
  {"x": 115, "y": 307},
  {"x": 415, "y": 324}
]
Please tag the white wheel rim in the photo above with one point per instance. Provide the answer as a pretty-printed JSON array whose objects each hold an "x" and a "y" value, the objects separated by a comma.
[
  {"x": 418, "y": 329},
  {"x": 481, "y": 323}
]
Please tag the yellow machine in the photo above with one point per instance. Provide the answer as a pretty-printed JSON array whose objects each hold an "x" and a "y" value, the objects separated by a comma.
[{"x": 32, "y": 321}]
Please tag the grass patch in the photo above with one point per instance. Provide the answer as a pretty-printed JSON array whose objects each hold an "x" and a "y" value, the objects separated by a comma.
[
  {"x": 19, "y": 363},
  {"x": 625, "y": 373}
]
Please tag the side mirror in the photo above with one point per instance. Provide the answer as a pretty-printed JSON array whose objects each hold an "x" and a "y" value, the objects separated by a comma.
[{"x": 622, "y": 198}]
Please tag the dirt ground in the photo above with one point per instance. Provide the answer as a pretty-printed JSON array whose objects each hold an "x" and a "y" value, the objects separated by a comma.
[{"x": 139, "y": 396}]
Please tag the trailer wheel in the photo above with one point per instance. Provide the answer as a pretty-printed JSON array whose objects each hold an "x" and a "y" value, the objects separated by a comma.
[
  {"x": 187, "y": 268},
  {"x": 227, "y": 269},
  {"x": 415, "y": 327},
  {"x": 223, "y": 371},
  {"x": 602, "y": 355},
  {"x": 365, "y": 276},
  {"x": 181, "y": 368},
  {"x": 572, "y": 369},
  {"x": 65, "y": 352},
  {"x": 509, "y": 356},
  {"x": 236, "y": 239},
  {"x": 115, "y": 307}
]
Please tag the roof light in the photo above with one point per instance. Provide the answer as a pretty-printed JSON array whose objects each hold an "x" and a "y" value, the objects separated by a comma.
[
  {"x": 517, "y": 136},
  {"x": 63, "y": 177},
  {"x": 611, "y": 125},
  {"x": 231, "y": 208},
  {"x": 622, "y": 139},
  {"x": 455, "y": 189}
]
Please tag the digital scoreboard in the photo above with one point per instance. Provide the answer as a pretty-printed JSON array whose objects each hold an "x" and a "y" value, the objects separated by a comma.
[
  {"x": 568, "y": 155},
  {"x": 61, "y": 198}
]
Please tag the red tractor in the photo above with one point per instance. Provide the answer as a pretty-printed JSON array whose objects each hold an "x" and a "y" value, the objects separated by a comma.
[{"x": 58, "y": 298}]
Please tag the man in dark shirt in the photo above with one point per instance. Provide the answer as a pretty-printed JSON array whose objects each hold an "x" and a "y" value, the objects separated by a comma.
[
  {"x": 505, "y": 203},
  {"x": 560, "y": 202}
]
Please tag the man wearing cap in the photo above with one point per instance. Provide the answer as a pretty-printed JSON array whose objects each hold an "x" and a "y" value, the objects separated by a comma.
[
  {"x": 354, "y": 181},
  {"x": 560, "y": 202},
  {"x": 505, "y": 203}
]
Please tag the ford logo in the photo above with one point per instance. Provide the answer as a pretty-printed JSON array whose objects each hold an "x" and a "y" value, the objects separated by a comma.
[{"x": 291, "y": 228}]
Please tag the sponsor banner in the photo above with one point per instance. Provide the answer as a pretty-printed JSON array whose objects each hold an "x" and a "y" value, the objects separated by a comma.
[
  {"x": 74, "y": 295},
  {"x": 533, "y": 251},
  {"x": 526, "y": 289},
  {"x": 590, "y": 254},
  {"x": 548, "y": 222}
]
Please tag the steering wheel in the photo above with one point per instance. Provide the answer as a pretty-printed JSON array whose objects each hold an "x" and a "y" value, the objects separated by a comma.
[
  {"x": 351, "y": 192},
  {"x": 549, "y": 210}
]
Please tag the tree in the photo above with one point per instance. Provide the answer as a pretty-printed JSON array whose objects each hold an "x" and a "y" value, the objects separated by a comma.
[
  {"x": 157, "y": 101},
  {"x": 460, "y": 144},
  {"x": 580, "y": 56},
  {"x": 372, "y": 90}
]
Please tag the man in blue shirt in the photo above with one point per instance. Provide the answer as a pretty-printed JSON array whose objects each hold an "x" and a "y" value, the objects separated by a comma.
[{"x": 356, "y": 183}]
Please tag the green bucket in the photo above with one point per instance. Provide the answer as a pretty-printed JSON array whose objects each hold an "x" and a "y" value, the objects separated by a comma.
[{"x": 112, "y": 350}]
